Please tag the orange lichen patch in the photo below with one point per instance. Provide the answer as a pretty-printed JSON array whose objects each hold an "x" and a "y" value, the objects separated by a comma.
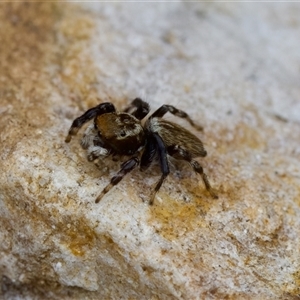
[
  {"x": 81, "y": 238},
  {"x": 76, "y": 26},
  {"x": 26, "y": 49},
  {"x": 217, "y": 294},
  {"x": 296, "y": 277},
  {"x": 250, "y": 212},
  {"x": 232, "y": 191},
  {"x": 74, "y": 232},
  {"x": 296, "y": 200},
  {"x": 78, "y": 69},
  {"x": 243, "y": 136},
  {"x": 293, "y": 288},
  {"x": 77, "y": 235},
  {"x": 173, "y": 218},
  {"x": 107, "y": 243},
  {"x": 249, "y": 136}
]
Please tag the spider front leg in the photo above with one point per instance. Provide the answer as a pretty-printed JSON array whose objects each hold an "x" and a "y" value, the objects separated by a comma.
[
  {"x": 138, "y": 108},
  {"x": 181, "y": 153},
  {"x": 164, "y": 165},
  {"x": 160, "y": 112},
  {"x": 148, "y": 154},
  {"x": 93, "y": 144},
  {"x": 100, "y": 109},
  {"x": 126, "y": 167},
  {"x": 94, "y": 152}
]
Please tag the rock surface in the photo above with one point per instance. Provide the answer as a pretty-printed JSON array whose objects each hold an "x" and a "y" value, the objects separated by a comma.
[{"x": 235, "y": 68}]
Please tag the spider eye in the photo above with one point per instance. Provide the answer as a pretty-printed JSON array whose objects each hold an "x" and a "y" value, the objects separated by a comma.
[{"x": 122, "y": 133}]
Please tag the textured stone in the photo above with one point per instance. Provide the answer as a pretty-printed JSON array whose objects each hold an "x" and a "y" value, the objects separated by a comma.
[{"x": 234, "y": 68}]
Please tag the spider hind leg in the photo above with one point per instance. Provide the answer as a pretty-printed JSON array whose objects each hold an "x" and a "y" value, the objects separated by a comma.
[{"x": 180, "y": 153}]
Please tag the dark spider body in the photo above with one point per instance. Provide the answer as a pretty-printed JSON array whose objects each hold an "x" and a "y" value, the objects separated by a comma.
[{"x": 121, "y": 133}]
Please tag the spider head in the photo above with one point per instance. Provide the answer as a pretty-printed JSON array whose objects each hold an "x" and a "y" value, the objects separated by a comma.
[{"x": 121, "y": 132}]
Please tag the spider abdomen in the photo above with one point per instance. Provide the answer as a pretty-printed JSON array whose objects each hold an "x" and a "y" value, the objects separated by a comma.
[{"x": 175, "y": 135}]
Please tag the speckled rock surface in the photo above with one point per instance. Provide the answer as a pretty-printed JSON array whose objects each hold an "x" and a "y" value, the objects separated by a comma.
[{"x": 235, "y": 68}]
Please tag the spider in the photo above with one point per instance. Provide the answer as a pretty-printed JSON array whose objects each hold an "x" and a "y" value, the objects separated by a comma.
[{"x": 122, "y": 133}]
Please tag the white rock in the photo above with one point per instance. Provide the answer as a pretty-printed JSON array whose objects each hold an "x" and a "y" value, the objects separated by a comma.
[{"x": 234, "y": 67}]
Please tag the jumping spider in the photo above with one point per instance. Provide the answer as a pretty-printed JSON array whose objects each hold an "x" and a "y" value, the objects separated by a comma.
[{"x": 122, "y": 133}]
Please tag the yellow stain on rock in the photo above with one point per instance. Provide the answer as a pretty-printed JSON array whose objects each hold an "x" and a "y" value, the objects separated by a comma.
[
  {"x": 173, "y": 218},
  {"x": 292, "y": 289},
  {"x": 77, "y": 67},
  {"x": 77, "y": 235},
  {"x": 296, "y": 290},
  {"x": 243, "y": 136}
]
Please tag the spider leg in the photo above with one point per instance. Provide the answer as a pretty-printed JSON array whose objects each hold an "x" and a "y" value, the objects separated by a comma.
[
  {"x": 126, "y": 167},
  {"x": 181, "y": 153},
  {"x": 94, "y": 152},
  {"x": 93, "y": 144},
  {"x": 138, "y": 108},
  {"x": 100, "y": 109},
  {"x": 148, "y": 154},
  {"x": 160, "y": 112},
  {"x": 88, "y": 137},
  {"x": 164, "y": 165}
]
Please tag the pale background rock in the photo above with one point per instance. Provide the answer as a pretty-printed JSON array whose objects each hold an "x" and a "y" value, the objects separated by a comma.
[{"x": 235, "y": 68}]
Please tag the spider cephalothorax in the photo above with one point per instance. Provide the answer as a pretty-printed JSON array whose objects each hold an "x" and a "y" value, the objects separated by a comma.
[{"x": 121, "y": 133}]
